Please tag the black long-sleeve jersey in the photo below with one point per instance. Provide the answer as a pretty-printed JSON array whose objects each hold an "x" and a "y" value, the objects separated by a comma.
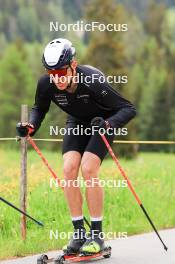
[{"x": 91, "y": 99}]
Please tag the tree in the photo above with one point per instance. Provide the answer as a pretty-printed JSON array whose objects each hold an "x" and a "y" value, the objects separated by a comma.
[
  {"x": 106, "y": 49},
  {"x": 28, "y": 24},
  {"x": 154, "y": 20},
  {"x": 15, "y": 88},
  {"x": 148, "y": 77}
]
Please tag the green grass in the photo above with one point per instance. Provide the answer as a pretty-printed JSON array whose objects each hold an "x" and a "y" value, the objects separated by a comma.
[{"x": 152, "y": 175}]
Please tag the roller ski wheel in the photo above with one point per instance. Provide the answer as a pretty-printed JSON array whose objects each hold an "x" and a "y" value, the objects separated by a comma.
[
  {"x": 43, "y": 259},
  {"x": 107, "y": 252},
  {"x": 59, "y": 260}
]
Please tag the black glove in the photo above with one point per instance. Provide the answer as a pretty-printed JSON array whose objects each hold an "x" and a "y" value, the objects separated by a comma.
[
  {"x": 24, "y": 129},
  {"x": 100, "y": 122}
]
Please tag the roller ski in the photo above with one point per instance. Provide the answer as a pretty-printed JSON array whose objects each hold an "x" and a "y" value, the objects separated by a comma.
[
  {"x": 92, "y": 248},
  {"x": 64, "y": 258}
]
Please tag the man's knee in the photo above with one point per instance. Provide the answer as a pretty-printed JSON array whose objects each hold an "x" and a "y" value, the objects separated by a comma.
[
  {"x": 71, "y": 165},
  {"x": 90, "y": 165},
  {"x": 89, "y": 170},
  {"x": 70, "y": 170}
]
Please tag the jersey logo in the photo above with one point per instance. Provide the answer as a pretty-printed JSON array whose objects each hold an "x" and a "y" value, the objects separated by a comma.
[
  {"x": 104, "y": 93},
  {"x": 61, "y": 99},
  {"x": 82, "y": 96}
]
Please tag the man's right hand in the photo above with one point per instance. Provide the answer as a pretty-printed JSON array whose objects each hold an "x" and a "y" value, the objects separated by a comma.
[{"x": 24, "y": 129}]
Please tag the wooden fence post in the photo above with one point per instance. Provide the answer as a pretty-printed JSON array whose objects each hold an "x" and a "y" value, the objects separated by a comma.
[{"x": 23, "y": 178}]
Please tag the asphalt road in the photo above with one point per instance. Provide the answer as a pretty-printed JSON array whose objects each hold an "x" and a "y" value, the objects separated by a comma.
[{"x": 139, "y": 249}]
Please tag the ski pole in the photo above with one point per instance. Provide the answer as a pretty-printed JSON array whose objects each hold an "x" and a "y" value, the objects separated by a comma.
[
  {"x": 30, "y": 140},
  {"x": 131, "y": 187},
  {"x": 19, "y": 210}
]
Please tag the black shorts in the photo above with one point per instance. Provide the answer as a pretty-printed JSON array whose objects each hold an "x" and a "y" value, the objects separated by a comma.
[{"x": 83, "y": 142}]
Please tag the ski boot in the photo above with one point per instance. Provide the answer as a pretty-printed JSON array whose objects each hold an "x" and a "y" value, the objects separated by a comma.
[
  {"x": 95, "y": 246},
  {"x": 76, "y": 242}
]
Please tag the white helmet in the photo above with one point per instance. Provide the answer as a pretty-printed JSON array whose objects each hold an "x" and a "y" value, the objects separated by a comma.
[{"x": 57, "y": 53}]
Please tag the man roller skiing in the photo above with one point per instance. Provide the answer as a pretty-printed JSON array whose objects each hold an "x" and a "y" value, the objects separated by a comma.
[{"x": 82, "y": 101}]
